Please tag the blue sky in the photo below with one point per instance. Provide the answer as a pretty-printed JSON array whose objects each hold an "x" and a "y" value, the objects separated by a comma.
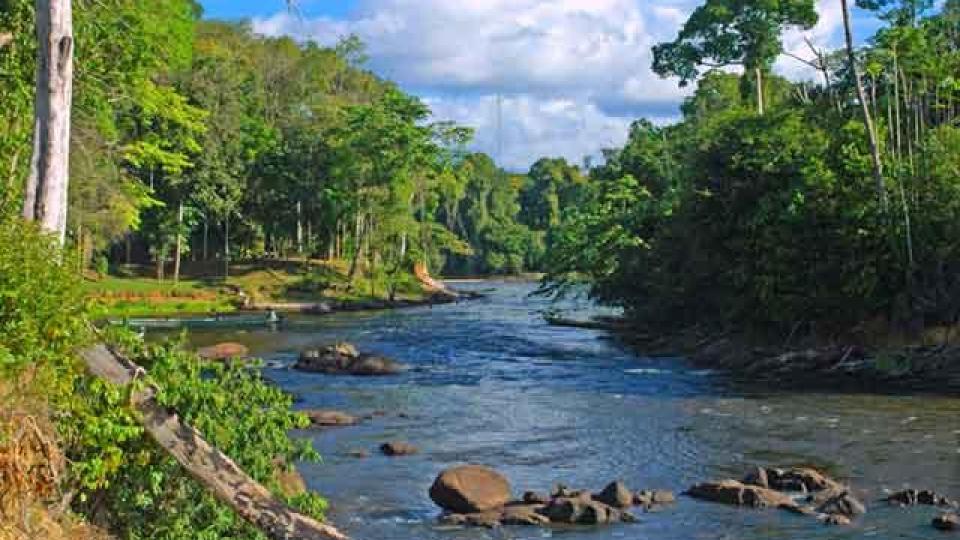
[{"x": 572, "y": 74}]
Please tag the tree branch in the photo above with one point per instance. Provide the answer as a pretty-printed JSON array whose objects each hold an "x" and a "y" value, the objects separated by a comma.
[{"x": 209, "y": 466}]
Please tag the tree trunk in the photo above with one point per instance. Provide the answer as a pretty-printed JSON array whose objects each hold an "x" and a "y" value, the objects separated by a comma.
[
  {"x": 209, "y": 466},
  {"x": 45, "y": 199},
  {"x": 865, "y": 108},
  {"x": 760, "y": 107},
  {"x": 178, "y": 249},
  {"x": 226, "y": 248},
  {"x": 206, "y": 235},
  {"x": 299, "y": 228}
]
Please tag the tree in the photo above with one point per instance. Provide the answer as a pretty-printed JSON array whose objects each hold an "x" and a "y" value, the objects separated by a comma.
[
  {"x": 45, "y": 199},
  {"x": 868, "y": 123},
  {"x": 722, "y": 33}
]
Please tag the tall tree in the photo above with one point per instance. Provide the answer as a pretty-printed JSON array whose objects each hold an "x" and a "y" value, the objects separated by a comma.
[
  {"x": 733, "y": 32},
  {"x": 45, "y": 199},
  {"x": 864, "y": 107}
]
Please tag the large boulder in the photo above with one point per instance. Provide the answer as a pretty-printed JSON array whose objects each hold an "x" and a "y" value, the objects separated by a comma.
[
  {"x": 344, "y": 359},
  {"x": 328, "y": 419},
  {"x": 223, "y": 351},
  {"x": 616, "y": 494},
  {"x": 739, "y": 494},
  {"x": 470, "y": 489}
]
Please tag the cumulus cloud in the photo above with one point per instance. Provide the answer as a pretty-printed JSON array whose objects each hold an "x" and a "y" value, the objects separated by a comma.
[{"x": 573, "y": 73}]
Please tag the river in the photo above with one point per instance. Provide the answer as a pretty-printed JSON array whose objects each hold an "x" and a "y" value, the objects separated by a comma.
[{"x": 492, "y": 383}]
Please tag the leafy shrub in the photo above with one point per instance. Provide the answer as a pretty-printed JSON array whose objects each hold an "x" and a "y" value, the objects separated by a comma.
[{"x": 121, "y": 478}]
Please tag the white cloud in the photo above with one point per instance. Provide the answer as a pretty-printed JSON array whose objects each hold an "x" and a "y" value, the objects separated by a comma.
[{"x": 573, "y": 73}]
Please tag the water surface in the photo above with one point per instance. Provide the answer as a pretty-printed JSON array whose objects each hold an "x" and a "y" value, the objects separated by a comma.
[{"x": 492, "y": 383}]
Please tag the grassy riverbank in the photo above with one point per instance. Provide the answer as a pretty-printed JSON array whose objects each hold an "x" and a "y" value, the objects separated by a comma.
[{"x": 204, "y": 290}]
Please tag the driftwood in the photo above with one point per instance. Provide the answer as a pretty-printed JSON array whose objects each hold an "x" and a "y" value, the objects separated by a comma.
[{"x": 212, "y": 468}]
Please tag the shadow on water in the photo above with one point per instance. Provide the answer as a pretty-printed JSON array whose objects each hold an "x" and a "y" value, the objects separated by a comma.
[{"x": 492, "y": 383}]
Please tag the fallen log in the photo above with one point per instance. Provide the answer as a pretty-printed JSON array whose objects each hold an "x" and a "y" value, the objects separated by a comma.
[{"x": 209, "y": 466}]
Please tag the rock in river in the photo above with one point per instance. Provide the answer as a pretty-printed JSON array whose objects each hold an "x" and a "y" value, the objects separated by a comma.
[
  {"x": 327, "y": 419},
  {"x": 913, "y": 497},
  {"x": 223, "y": 351},
  {"x": 344, "y": 359},
  {"x": 395, "y": 449},
  {"x": 947, "y": 522},
  {"x": 470, "y": 489},
  {"x": 842, "y": 503},
  {"x": 739, "y": 494},
  {"x": 616, "y": 495}
]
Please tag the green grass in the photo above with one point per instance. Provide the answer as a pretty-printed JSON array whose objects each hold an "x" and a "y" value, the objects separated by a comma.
[{"x": 203, "y": 291}]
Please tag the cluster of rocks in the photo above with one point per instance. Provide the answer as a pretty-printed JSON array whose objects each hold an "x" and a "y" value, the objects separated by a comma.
[
  {"x": 473, "y": 495},
  {"x": 799, "y": 490},
  {"x": 948, "y": 521},
  {"x": 344, "y": 359}
]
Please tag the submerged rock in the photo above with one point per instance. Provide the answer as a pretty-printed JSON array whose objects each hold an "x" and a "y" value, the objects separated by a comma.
[
  {"x": 470, "y": 489},
  {"x": 947, "y": 522},
  {"x": 398, "y": 449},
  {"x": 344, "y": 359},
  {"x": 223, "y": 351},
  {"x": 328, "y": 418}
]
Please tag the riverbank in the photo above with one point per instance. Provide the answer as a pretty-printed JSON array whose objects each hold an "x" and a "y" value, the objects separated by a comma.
[
  {"x": 921, "y": 365},
  {"x": 304, "y": 286}
]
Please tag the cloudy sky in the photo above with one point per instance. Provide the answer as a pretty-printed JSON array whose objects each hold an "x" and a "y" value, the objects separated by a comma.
[{"x": 572, "y": 74}]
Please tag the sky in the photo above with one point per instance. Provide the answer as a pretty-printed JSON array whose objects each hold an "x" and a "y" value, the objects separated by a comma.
[{"x": 572, "y": 74}]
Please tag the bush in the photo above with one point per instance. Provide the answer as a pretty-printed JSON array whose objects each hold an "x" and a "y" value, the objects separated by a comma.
[{"x": 122, "y": 480}]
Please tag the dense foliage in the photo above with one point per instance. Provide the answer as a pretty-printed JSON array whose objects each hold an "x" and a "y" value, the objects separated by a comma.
[
  {"x": 118, "y": 477},
  {"x": 201, "y": 140},
  {"x": 772, "y": 222}
]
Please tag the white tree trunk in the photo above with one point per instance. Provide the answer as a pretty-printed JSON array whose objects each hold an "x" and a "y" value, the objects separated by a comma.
[
  {"x": 178, "y": 249},
  {"x": 865, "y": 109},
  {"x": 45, "y": 199},
  {"x": 760, "y": 105}
]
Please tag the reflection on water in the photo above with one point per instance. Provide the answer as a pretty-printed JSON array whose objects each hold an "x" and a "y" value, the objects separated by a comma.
[{"x": 492, "y": 383}]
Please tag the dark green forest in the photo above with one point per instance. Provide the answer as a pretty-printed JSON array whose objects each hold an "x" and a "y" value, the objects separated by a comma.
[{"x": 776, "y": 221}]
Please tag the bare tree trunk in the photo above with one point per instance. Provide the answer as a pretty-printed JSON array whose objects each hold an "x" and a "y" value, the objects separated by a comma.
[
  {"x": 209, "y": 466},
  {"x": 760, "y": 107},
  {"x": 226, "y": 247},
  {"x": 867, "y": 120},
  {"x": 48, "y": 185},
  {"x": 178, "y": 248},
  {"x": 299, "y": 228}
]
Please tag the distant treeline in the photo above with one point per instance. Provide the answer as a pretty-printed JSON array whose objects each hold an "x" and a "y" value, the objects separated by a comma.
[{"x": 200, "y": 140}]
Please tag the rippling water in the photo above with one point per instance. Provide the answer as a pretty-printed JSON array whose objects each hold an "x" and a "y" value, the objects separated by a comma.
[{"x": 492, "y": 383}]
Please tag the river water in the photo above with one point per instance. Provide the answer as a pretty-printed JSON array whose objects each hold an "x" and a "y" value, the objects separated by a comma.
[{"x": 492, "y": 383}]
